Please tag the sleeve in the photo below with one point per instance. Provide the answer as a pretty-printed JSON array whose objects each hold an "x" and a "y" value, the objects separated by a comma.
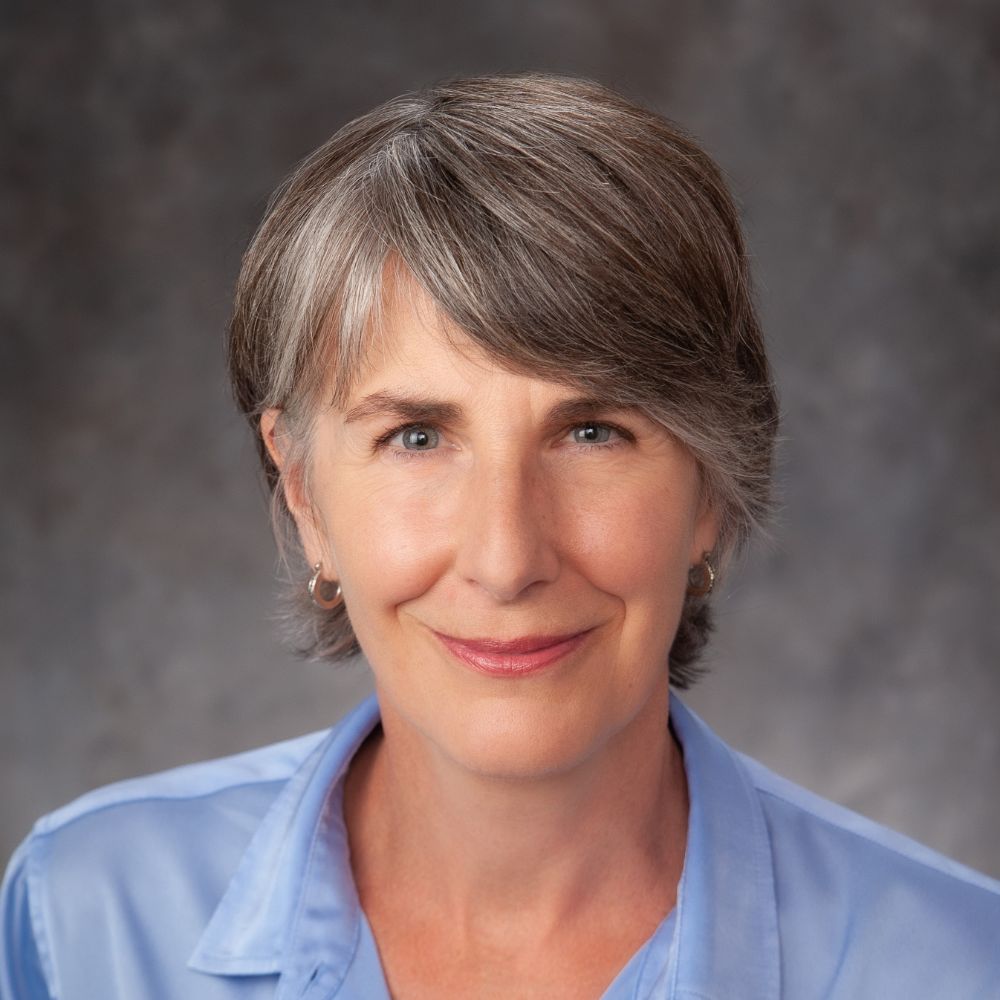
[{"x": 22, "y": 976}]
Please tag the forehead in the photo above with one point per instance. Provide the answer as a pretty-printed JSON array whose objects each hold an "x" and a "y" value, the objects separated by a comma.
[
  {"x": 411, "y": 342},
  {"x": 410, "y": 331}
]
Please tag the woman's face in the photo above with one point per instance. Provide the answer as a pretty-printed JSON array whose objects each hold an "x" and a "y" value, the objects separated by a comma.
[{"x": 452, "y": 498}]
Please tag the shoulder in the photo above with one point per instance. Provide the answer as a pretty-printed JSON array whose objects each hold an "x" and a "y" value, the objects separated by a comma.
[
  {"x": 203, "y": 810},
  {"x": 790, "y": 805},
  {"x": 885, "y": 907},
  {"x": 196, "y": 817},
  {"x": 258, "y": 768},
  {"x": 144, "y": 861}
]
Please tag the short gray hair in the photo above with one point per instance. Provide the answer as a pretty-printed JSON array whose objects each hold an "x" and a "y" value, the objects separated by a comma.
[{"x": 569, "y": 232}]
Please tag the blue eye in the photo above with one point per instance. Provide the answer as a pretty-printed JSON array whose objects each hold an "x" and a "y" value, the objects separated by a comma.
[
  {"x": 419, "y": 438},
  {"x": 591, "y": 434}
]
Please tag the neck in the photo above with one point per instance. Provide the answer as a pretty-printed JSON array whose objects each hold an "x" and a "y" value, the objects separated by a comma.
[{"x": 487, "y": 853}]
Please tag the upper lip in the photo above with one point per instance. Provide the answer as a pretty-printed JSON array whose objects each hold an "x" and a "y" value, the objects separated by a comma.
[{"x": 525, "y": 644}]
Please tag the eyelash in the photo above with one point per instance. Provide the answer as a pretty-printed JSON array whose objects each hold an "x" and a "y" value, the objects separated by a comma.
[{"x": 406, "y": 454}]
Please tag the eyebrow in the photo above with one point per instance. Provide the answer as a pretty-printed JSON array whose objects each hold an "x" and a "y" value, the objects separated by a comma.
[
  {"x": 415, "y": 408},
  {"x": 427, "y": 409}
]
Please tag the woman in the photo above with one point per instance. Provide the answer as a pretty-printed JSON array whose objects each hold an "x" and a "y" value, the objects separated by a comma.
[{"x": 497, "y": 343}]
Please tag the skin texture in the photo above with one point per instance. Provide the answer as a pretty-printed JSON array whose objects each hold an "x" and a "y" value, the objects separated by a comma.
[{"x": 524, "y": 831}]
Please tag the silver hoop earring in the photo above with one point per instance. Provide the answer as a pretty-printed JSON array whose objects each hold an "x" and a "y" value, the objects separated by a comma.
[
  {"x": 319, "y": 590},
  {"x": 701, "y": 578}
]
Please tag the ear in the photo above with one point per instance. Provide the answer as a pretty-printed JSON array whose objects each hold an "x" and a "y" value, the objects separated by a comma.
[{"x": 292, "y": 484}]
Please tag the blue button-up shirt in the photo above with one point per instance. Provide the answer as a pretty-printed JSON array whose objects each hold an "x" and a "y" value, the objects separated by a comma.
[{"x": 231, "y": 879}]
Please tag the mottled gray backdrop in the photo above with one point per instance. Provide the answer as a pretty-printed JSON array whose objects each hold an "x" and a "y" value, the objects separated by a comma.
[{"x": 857, "y": 654}]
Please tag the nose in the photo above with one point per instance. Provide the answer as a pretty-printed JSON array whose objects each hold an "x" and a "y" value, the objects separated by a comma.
[{"x": 507, "y": 539}]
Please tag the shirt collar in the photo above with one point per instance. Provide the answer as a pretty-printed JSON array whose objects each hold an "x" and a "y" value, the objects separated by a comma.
[
  {"x": 292, "y": 907},
  {"x": 726, "y": 937}
]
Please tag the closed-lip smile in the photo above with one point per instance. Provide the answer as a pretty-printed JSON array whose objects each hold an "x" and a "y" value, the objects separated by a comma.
[{"x": 512, "y": 657}]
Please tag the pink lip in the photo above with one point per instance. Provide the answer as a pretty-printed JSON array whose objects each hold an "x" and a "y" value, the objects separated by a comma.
[{"x": 515, "y": 658}]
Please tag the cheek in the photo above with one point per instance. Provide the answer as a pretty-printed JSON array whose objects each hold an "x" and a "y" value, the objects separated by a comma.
[
  {"x": 390, "y": 543},
  {"x": 635, "y": 538},
  {"x": 641, "y": 538},
  {"x": 395, "y": 539}
]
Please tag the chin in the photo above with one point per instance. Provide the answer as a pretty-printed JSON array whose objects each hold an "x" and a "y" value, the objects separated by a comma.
[{"x": 497, "y": 742}]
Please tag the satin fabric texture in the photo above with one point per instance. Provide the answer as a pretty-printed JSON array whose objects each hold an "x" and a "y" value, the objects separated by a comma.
[{"x": 231, "y": 879}]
